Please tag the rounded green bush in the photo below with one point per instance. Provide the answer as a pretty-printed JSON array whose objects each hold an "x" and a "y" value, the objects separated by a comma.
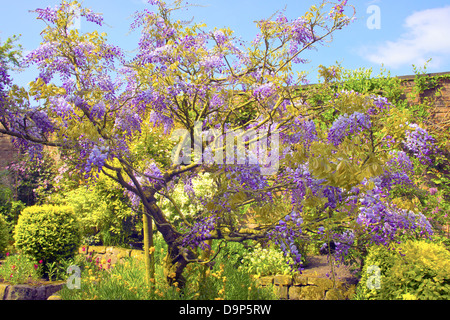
[
  {"x": 4, "y": 236},
  {"x": 415, "y": 269},
  {"x": 47, "y": 233}
]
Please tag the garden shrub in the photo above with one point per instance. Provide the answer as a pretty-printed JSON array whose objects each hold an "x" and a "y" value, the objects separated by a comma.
[
  {"x": 266, "y": 261},
  {"x": 102, "y": 211},
  {"x": 189, "y": 196},
  {"x": 47, "y": 232},
  {"x": 9, "y": 214},
  {"x": 9, "y": 208},
  {"x": 5, "y": 196},
  {"x": 4, "y": 236},
  {"x": 416, "y": 269}
]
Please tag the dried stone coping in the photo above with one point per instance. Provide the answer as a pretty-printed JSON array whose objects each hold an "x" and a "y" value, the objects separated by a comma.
[
  {"x": 30, "y": 292},
  {"x": 307, "y": 287}
]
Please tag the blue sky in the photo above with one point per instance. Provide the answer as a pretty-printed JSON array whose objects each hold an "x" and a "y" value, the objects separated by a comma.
[{"x": 408, "y": 32}]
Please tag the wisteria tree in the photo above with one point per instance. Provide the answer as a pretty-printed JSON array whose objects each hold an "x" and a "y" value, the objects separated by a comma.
[{"x": 165, "y": 116}]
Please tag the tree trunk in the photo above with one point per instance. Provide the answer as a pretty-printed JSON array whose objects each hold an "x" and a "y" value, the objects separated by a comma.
[{"x": 177, "y": 257}]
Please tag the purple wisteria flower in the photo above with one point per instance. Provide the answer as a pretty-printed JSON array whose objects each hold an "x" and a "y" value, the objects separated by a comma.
[
  {"x": 304, "y": 132},
  {"x": 284, "y": 235},
  {"x": 264, "y": 91},
  {"x": 159, "y": 119},
  {"x": 343, "y": 242},
  {"x": 199, "y": 232},
  {"x": 98, "y": 110},
  {"x": 301, "y": 34},
  {"x": 380, "y": 104},
  {"x": 220, "y": 37},
  {"x": 92, "y": 17},
  {"x": 154, "y": 175},
  {"x": 384, "y": 222},
  {"x": 420, "y": 143},
  {"x": 398, "y": 171},
  {"x": 346, "y": 125},
  {"x": 340, "y": 244},
  {"x": 48, "y": 14},
  {"x": 212, "y": 63},
  {"x": 97, "y": 158}
]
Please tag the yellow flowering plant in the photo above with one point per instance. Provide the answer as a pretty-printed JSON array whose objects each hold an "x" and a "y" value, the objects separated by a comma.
[{"x": 266, "y": 261}]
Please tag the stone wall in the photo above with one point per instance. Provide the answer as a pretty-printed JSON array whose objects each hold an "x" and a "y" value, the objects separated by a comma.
[
  {"x": 308, "y": 287},
  {"x": 111, "y": 254}
]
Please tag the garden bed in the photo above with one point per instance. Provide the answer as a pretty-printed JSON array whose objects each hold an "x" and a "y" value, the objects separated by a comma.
[
  {"x": 315, "y": 282},
  {"x": 29, "y": 289}
]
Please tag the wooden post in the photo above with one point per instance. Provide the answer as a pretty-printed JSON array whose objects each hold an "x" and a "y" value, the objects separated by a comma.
[{"x": 149, "y": 256}]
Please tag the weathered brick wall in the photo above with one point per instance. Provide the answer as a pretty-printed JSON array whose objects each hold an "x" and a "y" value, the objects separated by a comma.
[
  {"x": 8, "y": 153},
  {"x": 441, "y": 104}
]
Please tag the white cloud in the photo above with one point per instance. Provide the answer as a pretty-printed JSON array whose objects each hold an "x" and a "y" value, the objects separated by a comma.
[{"x": 427, "y": 36}]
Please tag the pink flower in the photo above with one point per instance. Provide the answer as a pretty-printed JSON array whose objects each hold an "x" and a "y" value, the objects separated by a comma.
[
  {"x": 432, "y": 191},
  {"x": 41, "y": 261},
  {"x": 7, "y": 254},
  {"x": 36, "y": 266}
]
